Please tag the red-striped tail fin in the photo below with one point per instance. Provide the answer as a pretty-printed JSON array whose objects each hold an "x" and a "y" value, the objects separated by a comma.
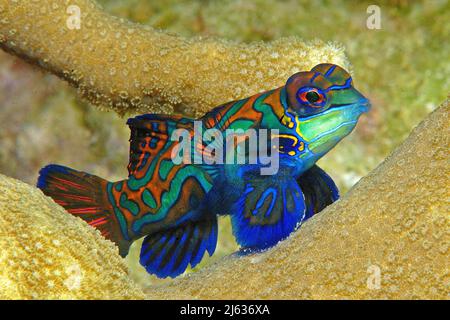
[{"x": 83, "y": 195}]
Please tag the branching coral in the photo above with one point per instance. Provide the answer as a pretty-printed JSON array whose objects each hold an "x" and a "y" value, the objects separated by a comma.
[
  {"x": 129, "y": 68},
  {"x": 48, "y": 254},
  {"x": 387, "y": 238}
]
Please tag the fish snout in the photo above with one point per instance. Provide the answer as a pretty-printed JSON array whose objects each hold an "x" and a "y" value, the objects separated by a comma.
[{"x": 365, "y": 104}]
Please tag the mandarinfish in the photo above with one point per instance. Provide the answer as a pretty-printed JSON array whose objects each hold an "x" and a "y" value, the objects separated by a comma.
[{"x": 174, "y": 205}]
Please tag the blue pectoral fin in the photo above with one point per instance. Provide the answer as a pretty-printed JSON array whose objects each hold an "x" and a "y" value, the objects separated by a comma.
[
  {"x": 319, "y": 190},
  {"x": 269, "y": 209},
  {"x": 168, "y": 253}
]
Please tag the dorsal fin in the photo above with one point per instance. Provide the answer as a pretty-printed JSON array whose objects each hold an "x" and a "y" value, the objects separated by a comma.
[{"x": 150, "y": 134}]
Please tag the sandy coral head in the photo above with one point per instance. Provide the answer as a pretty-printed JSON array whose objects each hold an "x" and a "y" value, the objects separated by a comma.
[
  {"x": 387, "y": 238},
  {"x": 48, "y": 254},
  {"x": 126, "y": 67}
]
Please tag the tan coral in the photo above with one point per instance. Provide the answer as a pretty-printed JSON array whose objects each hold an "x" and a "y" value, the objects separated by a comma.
[
  {"x": 48, "y": 254},
  {"x": 387, "y": 238},
  {"x": 130, "y": 68}
]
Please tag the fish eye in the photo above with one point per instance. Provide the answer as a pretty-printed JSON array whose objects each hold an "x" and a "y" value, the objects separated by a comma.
[{"x": 312, "y": 96}]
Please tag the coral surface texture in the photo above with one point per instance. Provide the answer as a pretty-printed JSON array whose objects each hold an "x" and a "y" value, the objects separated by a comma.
[
  {"x": 47, "y": 253},
  {"x": 127, "y": 67},
  {"x": 387, "y": 238}
]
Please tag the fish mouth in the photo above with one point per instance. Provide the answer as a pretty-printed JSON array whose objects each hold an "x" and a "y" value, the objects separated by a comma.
[{"x": 363, "y": 105}]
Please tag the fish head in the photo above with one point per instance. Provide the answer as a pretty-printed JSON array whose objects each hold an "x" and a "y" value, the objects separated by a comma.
[{"x": 325, "y": 106}]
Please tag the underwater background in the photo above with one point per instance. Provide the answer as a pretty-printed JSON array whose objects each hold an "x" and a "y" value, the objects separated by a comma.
[{"x": 402, "y": 68}]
